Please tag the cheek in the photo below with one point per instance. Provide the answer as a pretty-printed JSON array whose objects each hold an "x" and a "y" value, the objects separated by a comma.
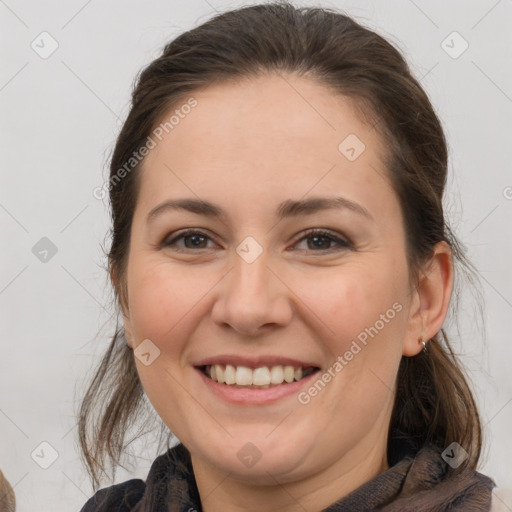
[
  {"x": 364, "y": 324},
  {"x": 159, "y": 299},
  {"x": 346, "y": 301},
  {"x": 352, "y": 299},
  {"x": 364, "y": 320}
]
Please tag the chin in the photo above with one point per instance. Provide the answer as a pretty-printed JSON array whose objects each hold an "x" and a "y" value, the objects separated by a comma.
[{"x": 257, "y": 459}]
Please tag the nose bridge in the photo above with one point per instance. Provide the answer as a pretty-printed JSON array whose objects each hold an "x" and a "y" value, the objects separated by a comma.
[{"x": 251, "y": 277}]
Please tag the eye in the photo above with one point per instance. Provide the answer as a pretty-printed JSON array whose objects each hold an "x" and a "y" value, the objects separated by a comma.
[
  {"x": 322, "y": 241},
  {"x": 196, "y": 238},
  {"x": 320, "y": 238}
]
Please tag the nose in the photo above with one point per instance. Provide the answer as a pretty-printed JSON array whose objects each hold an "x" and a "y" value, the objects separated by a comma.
[{"x": 252, "y": 298}]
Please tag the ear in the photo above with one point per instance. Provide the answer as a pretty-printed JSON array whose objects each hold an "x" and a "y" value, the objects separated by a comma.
[
  {"x": 124, "y": 306},
  {"x": 430, "y": 300}
]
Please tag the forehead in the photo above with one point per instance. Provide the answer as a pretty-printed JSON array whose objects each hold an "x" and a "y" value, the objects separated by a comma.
[{"x": 272, "y": 136}]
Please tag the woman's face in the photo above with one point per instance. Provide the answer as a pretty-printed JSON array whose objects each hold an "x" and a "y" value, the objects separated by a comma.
[{"x": 253, "y": 292}]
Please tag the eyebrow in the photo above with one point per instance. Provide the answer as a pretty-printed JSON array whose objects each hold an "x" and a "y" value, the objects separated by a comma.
[{"x": 288, "y": 208}]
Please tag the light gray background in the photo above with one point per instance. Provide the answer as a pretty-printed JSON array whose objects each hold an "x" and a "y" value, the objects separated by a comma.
[{"x": 60, "y": 117}]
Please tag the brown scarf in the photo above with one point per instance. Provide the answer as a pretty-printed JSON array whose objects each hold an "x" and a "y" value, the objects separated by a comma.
[{"x": 420, "y": 482}]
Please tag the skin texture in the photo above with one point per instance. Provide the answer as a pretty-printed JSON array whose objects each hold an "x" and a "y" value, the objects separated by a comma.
[{"x": 248, "y": 146}]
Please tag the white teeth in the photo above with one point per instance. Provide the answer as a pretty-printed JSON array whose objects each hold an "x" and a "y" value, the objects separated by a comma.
[
  {"x": 243, "y": 376},
  {"x": 289, "y": 373},
  {"x": 276, "y": 375},
  {"x": 229, "y": 374},
  {"x": 219, "y": 374},
  {"x": 262, "y": 377}
]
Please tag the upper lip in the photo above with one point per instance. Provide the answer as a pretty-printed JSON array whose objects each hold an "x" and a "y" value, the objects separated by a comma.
[{"x": 254, "y": 362}]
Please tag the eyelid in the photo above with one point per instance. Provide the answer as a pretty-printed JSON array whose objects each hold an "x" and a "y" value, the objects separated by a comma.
[
  {"x": 177, "y": 235},
  {"x": 342, "y": 241}
]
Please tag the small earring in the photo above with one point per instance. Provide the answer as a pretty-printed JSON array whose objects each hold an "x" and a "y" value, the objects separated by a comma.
[{"x": 424, "y": 344}]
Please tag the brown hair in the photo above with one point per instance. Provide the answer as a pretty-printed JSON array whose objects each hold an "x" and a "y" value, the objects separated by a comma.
[
  {"x": 433, "y": 400},
  {"x": 7, "y": 498}
]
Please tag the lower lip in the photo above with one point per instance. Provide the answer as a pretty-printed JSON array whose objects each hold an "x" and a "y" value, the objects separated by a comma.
[{"x": 247, "y": 396}]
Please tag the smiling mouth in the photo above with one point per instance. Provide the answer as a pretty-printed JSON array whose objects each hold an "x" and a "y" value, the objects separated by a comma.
[{"x": 256, "y": 378}]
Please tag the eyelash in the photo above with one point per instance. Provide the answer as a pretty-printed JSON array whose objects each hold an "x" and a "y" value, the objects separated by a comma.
[{"x": 314, "y": 232}]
